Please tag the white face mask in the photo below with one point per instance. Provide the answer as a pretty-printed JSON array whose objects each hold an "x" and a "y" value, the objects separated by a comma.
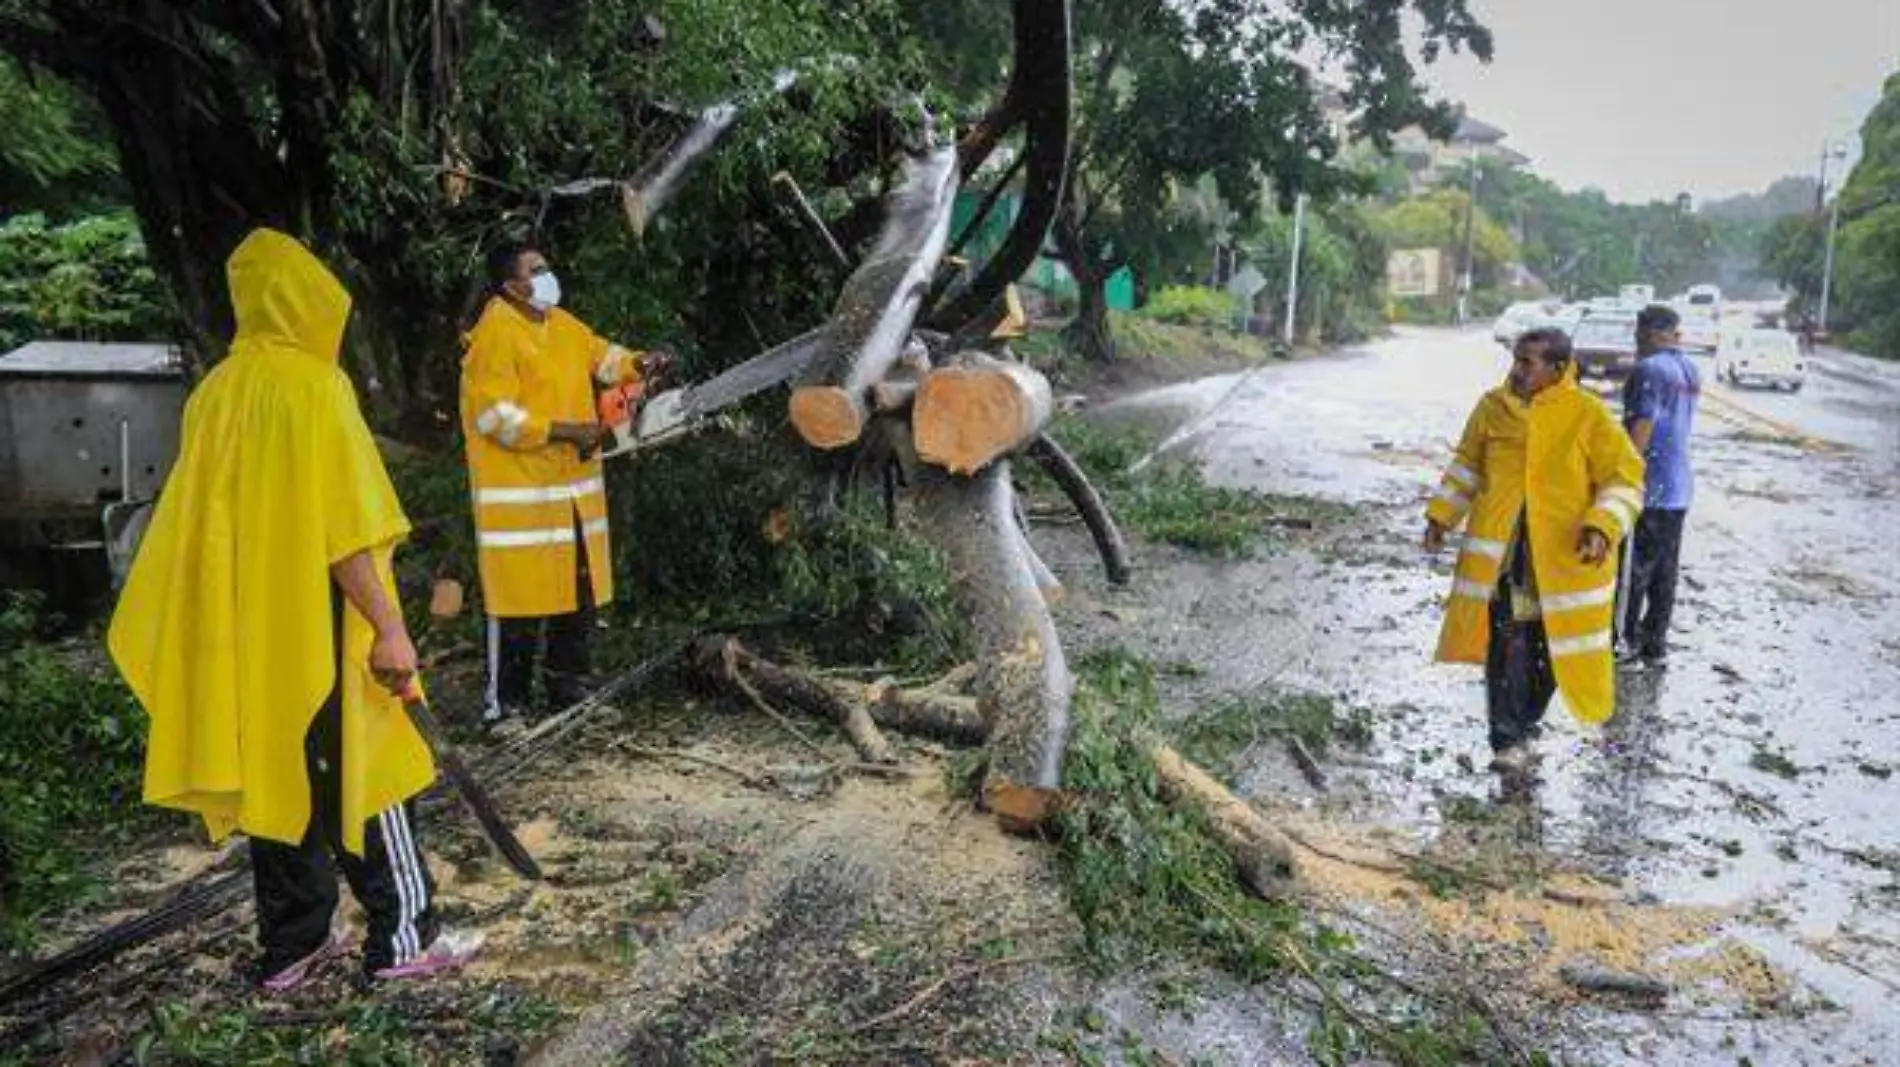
[{"x": 545, "y": 291}]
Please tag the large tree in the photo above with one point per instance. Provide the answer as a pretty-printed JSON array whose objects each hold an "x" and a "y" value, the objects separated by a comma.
[
  {"x": 1867, "y": 247},
  {"x": 401, "y": 136},
  {"x": 1171, "y": 92}
]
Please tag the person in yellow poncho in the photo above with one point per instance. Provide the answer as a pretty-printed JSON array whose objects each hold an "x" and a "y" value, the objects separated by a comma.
[
  {"x": 533, "y": 434},
  {"x": 260, "y": 630},
  {"x": 1546, "y": 482}
]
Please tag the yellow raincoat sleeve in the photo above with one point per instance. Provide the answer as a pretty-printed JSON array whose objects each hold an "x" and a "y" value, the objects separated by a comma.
[
  {"x": 493, "y": 386},
  {"x": 1616, "y": 476},
  {"x": 610, "y": 363},
  {"x": 1463, "y": 477}
]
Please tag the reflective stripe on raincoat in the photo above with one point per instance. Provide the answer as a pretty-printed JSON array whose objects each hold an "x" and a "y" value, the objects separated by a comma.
[
  {"x": 529, "y": 494},
  {"x": 1562, "y": 461},
  {"x": 225, "y": 629}
]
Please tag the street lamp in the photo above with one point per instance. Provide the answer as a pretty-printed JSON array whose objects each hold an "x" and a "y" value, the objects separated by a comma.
[
  {"x": 1837, "y": 150},
  {"x": 1471, "y": 215}
]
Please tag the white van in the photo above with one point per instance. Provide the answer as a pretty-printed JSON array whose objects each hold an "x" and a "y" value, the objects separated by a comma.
[{"x": 1770, "y": 358}]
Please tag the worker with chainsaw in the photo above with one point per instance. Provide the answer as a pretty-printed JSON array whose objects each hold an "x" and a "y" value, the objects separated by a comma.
[
  {"x": 1546, "y": 484},
  {"x": 531, "y": 419},
  {"x": 260, "y": 630}
]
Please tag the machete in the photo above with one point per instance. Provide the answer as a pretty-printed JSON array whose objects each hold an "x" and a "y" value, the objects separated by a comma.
[{"x": 470, "y": 790}]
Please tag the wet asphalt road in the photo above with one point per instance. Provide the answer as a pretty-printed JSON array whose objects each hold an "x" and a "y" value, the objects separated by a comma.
[{"x": 1760, "y": 773}]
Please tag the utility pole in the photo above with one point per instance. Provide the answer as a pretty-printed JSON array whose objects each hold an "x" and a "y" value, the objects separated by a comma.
[
  {"x": 1835, "y": 151},
  {"x": 1293, "y": 271},
  {"x": 1471, "y": 215}
]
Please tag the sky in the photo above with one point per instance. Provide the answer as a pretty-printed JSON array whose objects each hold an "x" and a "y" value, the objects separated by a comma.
[{"x": 1648, "y": 98}]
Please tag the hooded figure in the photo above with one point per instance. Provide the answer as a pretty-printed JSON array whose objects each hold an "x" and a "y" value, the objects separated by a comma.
[
  {"x": 1545, "y": 483},
  {"x": 243, "y": 631}
]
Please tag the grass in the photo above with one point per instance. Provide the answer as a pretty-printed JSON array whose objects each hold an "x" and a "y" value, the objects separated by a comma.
[
  {"x": 377, "y": 1030},
  {"x": 71, "y": 743},
  {"x": 1140, "y": 340},
  {"x": 1169, "y": 501},
  {"x": 1775, "y": 763},
  {"x": 1148, "y": 881},
  {"x": 1216, "y": 737}
]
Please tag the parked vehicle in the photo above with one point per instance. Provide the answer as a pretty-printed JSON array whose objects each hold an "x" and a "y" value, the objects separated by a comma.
[
  {"x": 1519, "y": 318},
  {"x": 1700, "y": 330},
  {"x": 1604, "y": 345},
  {"x": 1638, "y": 295},
  {"x": 1709, "y": 296},
  {"x": 1769, "y": 358}
]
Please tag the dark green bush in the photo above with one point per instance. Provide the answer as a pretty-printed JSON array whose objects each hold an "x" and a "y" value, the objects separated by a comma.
[{"x": 71, "y": 746}]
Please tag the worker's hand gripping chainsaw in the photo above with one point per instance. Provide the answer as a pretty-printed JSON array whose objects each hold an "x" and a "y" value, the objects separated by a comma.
[{"x": 617, "y": 405}]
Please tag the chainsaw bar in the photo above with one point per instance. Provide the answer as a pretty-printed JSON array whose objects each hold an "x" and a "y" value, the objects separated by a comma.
[{"x": 680, "y": 411}]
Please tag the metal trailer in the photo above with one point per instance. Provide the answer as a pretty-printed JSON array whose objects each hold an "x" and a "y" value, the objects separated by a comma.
[{"x": 88, "y": 432}]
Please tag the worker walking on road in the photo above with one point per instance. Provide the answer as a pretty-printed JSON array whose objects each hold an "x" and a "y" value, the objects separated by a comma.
[
  {"x": 1659, "y": 403},
  {"x": 260, "y": 630},
  {"x": 533, "y": 438},
  {"x": 1546, "y": 483}
]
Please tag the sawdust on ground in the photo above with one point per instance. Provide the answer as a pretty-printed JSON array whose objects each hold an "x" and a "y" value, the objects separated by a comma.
[{"x": 1534, "y": 928}]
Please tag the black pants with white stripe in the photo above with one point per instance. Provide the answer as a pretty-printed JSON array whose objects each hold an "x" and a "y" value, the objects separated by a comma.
[
  {"x": 296, "y": 884},
  {"x": 513, "y": 645}
]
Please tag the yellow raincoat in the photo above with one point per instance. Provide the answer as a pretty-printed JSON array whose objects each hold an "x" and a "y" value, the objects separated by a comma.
[
  {"x": 519, "y": 376},
  {"x": 1563, "y": 461},
  {"x": 225, "y": 629}
]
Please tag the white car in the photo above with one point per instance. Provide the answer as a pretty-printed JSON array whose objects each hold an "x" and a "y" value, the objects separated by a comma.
[
  {"x": 1699, "y": 330},
  {"x": 1771, "y": 358},
  {"x": 1517, "y": 319}
]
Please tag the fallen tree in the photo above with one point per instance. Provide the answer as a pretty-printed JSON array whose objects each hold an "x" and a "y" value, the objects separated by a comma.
[{"x": 1262, "y": 855}]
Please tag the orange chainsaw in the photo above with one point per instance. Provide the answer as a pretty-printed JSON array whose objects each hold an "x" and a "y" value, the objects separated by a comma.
[{"x": 617, "y": 406}]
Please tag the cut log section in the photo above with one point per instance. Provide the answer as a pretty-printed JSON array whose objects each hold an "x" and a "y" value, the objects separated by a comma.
[
  {"x": 871, "y": 324},
  {"x": 1261, "y": 853},
  {"x": 978, "y": 410},
  {"x": 946, "y": 716},
  {"x": 1023, "y": 685},
  {"x": 724, "y": 659}
]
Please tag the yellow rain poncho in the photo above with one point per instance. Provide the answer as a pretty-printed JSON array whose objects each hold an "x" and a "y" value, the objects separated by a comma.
[
  {"x": 1561, "y": 460},
  {"x": 225, "y": 629}
]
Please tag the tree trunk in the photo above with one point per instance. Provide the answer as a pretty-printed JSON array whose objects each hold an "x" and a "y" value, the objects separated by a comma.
[
  {"x": 872, "y": 321},
  {"x": 1089, "y": 332},
  {"x": 977, "y": 410},
  {"x": 1023, "y": 685}
]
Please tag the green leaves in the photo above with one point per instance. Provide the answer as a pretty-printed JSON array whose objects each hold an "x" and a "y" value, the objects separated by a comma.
[
  {"x": 84, "y": 280},
  {"x": 71, "y": 740}
]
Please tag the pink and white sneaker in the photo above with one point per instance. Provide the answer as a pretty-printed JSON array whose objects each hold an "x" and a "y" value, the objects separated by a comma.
[
  {"x": 450, "y": 949},
  {"x": 296, "y": 974}
]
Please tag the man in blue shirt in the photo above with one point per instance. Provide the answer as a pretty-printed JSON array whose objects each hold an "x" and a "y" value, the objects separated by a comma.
[{"x": 1659, "y": 403}]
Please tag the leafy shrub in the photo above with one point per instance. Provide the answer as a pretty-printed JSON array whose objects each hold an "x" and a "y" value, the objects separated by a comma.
[
  {"x": 71, "y": 742},
  {"x": 85, "y": 280},
  {"x": 1192, "y": 305}
]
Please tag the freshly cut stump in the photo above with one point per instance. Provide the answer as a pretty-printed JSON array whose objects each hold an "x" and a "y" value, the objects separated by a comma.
[
  {"x": 828, "y": 417},
  {"x": 977, "y": 411}
]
